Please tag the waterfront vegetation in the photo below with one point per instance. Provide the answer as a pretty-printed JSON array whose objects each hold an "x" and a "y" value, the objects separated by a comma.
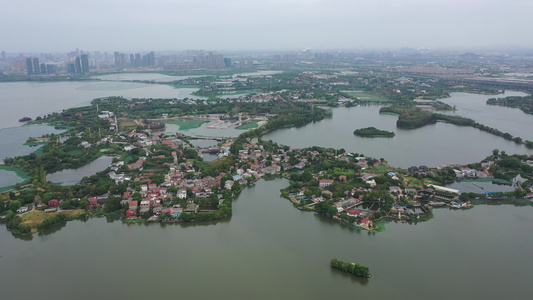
[
  {"x": 413, "y": 117},
  {"x": 352, "y": 268},
  {"x": 373, "y": 132},
  {"x": 249, "y": 125},
  {"x": 525, "y": 104},
  {"x": 365, "y": 97}
]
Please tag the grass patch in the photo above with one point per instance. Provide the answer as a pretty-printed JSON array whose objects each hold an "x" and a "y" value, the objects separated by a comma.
[
  {"x": 35, "y": 217},
  {"x": 367, "y": 97},
  {"x": 187, "y": 124},
  {"x": 126, "y": 125},
  {"x": 249, "y": 125},
  {"x": 39, "y": 152},
  {"x": 381, "y": 168},
  {"x": 414, "y": 182}
]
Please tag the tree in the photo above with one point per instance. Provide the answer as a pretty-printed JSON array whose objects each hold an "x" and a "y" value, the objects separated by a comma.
[
  {"x": 510, "y": 162},
  {"x": 84, "y": 204},
  {"x": 495, "y": 152},
  {"x": 65, "y": 205},
  {"x": 112, "y": 204},
  {"x": 158, "y": 178},
  {"x": 14, "y": 205}
]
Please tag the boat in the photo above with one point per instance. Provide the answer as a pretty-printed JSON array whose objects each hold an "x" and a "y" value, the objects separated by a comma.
[{"x": 24, "y": 119}]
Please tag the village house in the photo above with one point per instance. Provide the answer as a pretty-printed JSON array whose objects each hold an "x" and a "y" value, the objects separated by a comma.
[
  {"x": 354, "y": 213},
  {"x": 394, "y": 189},
  {"x": 53, "y": 203},
  {"x": 371, "y": 182},
  {"x": 323, "y": 183},
  {"x": 93, "y": 202},
  {"x": 364, "y": 221},
  {"x": 22, "y": 209},
  {"x": 228, "y": 184},
  {"x": 341, "y": 205},
  {"x": 131, "y": 213},
  {"x": 133, "y": 205}
]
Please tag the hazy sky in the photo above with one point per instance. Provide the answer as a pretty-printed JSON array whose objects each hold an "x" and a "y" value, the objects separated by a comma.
[{"x": 108, "y": 25}]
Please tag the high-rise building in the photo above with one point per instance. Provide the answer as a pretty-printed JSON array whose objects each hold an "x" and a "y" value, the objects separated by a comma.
[
  {"x": 36, "y": 68},
  {"x": 3, "y": 55},
  {"x": 132, "y": 61},
  {"x": 209, "y": 61},
  {"x": 117, "y": 59},
  {"x": 51, "y": 69},
  {"x": 227, "y": 62},
  {"x": 146, "y": 60},
  {"x": 122, "y": 59},
  {"x": 71, "y": 68},
  {"x": 85, "y": 63},
  {"x": 78, "y": 65},
  {"x": 43, "y": 68},
  {"x": 29, "y": 66},
  {"x": 137, "y": 60},
  {"x": 152, "y": 59}
]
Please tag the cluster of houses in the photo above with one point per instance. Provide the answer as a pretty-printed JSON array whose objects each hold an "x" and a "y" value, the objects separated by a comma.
[{"x": 189, "y": 183}]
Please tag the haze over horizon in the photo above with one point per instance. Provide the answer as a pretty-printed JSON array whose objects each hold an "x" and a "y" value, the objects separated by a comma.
[{"x": 60, "y": 25}]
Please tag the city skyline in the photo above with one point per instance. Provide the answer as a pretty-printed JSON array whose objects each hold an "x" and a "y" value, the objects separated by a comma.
[{"x": 59, "y": 25}]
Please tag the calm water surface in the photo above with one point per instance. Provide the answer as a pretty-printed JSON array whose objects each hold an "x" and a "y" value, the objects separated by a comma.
[
  {"x": 8, "y": 178},
  {"x": 431, "y": 145},
  {"x": 270, "y": 250},
  {"x": 73, "y": 176},
  {"x": 474, "y": 106},
  {"x": 32, "y": 99},
  {"x": 12, "y": 139}
]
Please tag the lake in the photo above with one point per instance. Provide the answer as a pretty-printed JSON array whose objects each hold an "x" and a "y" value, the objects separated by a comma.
[
  {"x": 270, "y": 250},
  {"x": 32, "y": 99},
  {"x": 431, "y": 145},
  {"x": 12, "y": 139}
]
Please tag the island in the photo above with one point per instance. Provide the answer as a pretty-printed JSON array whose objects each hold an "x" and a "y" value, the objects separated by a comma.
[
  {"x": 352, "y": 268},
  {"x": 373, "y": 132}
]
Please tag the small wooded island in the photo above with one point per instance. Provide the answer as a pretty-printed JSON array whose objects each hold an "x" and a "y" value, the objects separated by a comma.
[
  {"x": 373, "y": 132},
  {"x": 355, "y": 269}
]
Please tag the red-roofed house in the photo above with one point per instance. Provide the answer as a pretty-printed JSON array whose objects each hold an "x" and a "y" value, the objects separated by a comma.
[
  {"x": 93, "y": 201},
  {"x": 133, "y": 205},
  {"x": 131, "y": 213},
  {"x": 53, "y": 203}
]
